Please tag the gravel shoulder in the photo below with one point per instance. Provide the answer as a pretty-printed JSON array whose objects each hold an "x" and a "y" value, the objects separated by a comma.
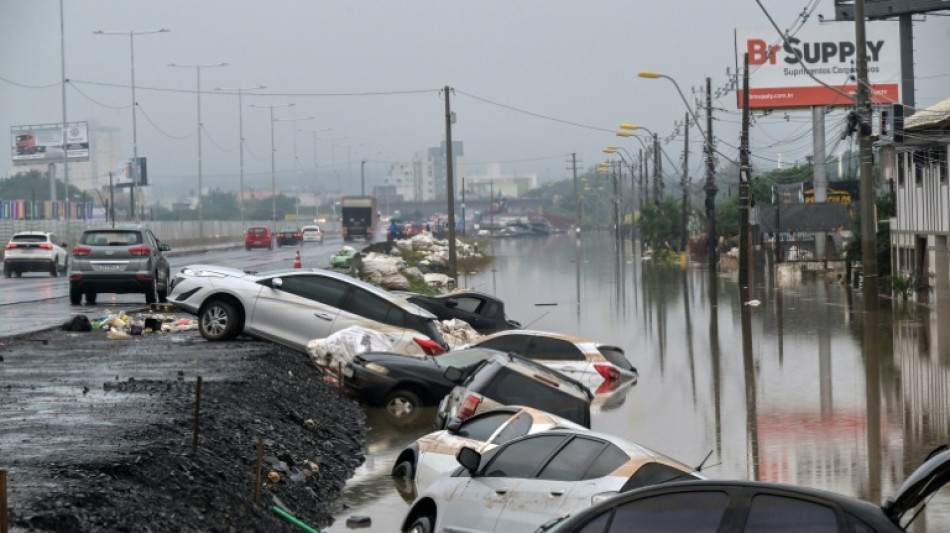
[{"x": 97, "y": 434}]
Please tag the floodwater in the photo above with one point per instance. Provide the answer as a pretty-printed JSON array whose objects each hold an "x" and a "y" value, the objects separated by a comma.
[{"x": 813, "y": 391}]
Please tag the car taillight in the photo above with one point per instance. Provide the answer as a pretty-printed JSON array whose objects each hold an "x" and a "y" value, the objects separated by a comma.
[
  {"x": 468, "y": 407},
  {"x": 46, "y": 246},
  {"x": 369, "y": 231},
  {"x": 608, "y": 372},
  {"x": 343, "y": 231},
  {"x": 296, "y": 235},
  {"x": 140, "y": 250},
  {"x": 81, "y": 250},
  {"x": 11, "y": 246},
  {"x": 429, "y": 346}
]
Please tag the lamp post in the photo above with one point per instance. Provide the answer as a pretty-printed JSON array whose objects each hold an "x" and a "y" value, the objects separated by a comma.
[
  {"x": 135, "y": 143},
  {"x": 240, "y": 91},
  {"x": 198, "y": 68},
  {"x": 273, "y": 172}
]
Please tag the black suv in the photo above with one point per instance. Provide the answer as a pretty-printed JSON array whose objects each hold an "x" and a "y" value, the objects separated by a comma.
[{"x": 120, "y": 259}]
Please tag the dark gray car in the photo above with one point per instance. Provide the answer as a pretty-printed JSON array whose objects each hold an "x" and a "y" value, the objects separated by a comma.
[{"x": 120, "y": 259}]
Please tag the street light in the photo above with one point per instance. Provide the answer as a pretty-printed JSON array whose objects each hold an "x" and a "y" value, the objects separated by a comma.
[
  {"x": 273, "y": 172},
  {"x": 198, "y": 94},
  {"x": 135, "y": 143},
  {"x": 240, "y": 91},
  {"x": 654, "y": 75}
]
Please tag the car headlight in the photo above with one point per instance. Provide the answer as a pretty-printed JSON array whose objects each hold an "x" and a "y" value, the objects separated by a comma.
[
  {"x": 379, "y": 369},
  {"x": 202, "y": 273}
]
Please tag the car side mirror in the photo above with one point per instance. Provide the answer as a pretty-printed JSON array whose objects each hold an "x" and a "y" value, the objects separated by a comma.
[
  {"x": 469, "y": 459},
  {"x": 164, "y": 247},
  {"x": 453, "y": 374},
  {"x": 276, "y": 283},
  {"x": 62, "y": 244}
]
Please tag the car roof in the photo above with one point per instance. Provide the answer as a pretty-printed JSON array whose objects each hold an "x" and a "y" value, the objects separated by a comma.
[
  {"x": 538, "y": 333},
  {"x": 311, "y": 226},
  {"x": 117, "y": 227},
  {"x": 634, "y": 450}
]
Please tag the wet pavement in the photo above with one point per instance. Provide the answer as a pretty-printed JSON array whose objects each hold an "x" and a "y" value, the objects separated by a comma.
[{"x": 803, "y": 394}]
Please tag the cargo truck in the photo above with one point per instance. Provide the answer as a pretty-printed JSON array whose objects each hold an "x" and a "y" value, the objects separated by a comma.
[{"x": 359, "y": 217}]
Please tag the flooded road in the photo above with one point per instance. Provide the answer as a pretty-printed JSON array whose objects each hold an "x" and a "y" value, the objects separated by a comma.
[{"x": 812, "y": 391}]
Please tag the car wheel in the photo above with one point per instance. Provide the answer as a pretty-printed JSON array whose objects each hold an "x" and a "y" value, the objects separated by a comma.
[
  {"x": 248, "y": 248},
  {"x": 17, "y": 273},
  {"x": 404, "y": 469},
  {"x": 423, "y": 524},
  {"x": 75, "y": 296},
  {"x": 150, "y": 296},
  {"x": 403, "y": 406},
  {"x": 91, "y": 297},
  {"x": 218, "y": 321},
  {"x": 7, "y": 272},
  {"x": 54, "y": 270},
  {"x": 163, "y": 296}
]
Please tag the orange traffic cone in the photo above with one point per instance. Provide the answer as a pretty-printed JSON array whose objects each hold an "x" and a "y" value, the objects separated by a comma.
[{"x": 297, "y": 260}]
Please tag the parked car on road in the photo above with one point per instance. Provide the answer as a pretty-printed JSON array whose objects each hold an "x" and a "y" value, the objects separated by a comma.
[
  {"x": 312, "y": 234},
  {"x": 525, "y": 482},
  {"x": 484, "y": 312},
  {"x": 289, "y": 236},
  {"x": 433, "y": 455},
  {"x": 34, "y": 251},
  {"x": 509, "y": 379},
  {"x": 600, "y": 367},
  {"x": 752, "y": 506},
  {"x": 294, "y": 306},
  {"x": 258, "y": 237},
  {"x": 121, "y": 259},
  {"x": 403, "y": 385}
]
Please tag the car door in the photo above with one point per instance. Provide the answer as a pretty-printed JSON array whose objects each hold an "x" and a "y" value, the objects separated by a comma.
[
  {"x": 437, "y": 455},
  {"x": 564, "y": 357},
  {"x": 298, "y": 308},
  {"x": 479, "y": 502},
  {"x": 563, "y": 485},
  {"x": 365, "y": 309},
  {"x": 466, "y": 308}
]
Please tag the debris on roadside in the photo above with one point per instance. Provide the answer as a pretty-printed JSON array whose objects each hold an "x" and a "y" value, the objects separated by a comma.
[
  {"x": 121, "y": 326},
  {"x": 457, "y": 333},
  {"x": 340, "y": 347}
]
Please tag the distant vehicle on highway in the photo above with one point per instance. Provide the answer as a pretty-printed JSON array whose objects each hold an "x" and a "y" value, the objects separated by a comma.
[
  {"x": 34, "y": 251},
  {"x": 120, "y": 259},
  {"x": 258, "y": 237},
  {"x": 289, "y": 236},
  {"x": 312, "y": 233}
]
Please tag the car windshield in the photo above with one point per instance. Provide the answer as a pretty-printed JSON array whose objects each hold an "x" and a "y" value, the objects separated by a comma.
[
  {"x": 112, "y": 238},
  {"x": 257, "y": 231},
  {"x": 29, "y": 238},
  {"x": 616, "y": 356},
  {"x": 463, "y": 358}
]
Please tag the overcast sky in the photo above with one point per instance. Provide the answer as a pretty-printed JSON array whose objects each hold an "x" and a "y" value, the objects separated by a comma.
[{"x": 533, "y": 80}]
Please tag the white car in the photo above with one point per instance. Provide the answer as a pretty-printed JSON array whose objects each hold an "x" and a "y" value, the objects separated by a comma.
[
  {"x": 312, "y": 234},
  {"x": 526, "y": 482},
  {"x": 294, "y": 306},
  {"x": 433, "y": 455},
  {"x": 602, "y": 368},
  {"x": 34, "y": 251}
]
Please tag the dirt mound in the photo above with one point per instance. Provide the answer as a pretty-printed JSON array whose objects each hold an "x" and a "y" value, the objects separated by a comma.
[{"x": 100, "y": 434}]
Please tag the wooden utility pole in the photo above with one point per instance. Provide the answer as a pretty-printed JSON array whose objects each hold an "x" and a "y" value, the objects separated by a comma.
[
  {"x": 450, "y": 189},
  {"x": 577, "y": 198},
  {"x": 868, "y": 214},
  {"x": 744, "y": 170},
  {"x": 685, "y": 223},
  {"x": 710, "y": 183},
  {"x": 656, "y": 170}
]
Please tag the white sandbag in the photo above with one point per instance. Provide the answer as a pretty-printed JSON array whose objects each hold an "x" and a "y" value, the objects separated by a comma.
[
  {"x": 403, "y": 245},
  {"x": 435, "y": 279},
  {"x": 394, "y": 282},
  {"x": 458, "y": 333},
  {"x": 412, "y": 272},
  {"x": 340, "y": 347}
]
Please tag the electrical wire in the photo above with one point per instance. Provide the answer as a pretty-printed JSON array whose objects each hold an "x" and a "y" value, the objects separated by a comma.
[
  {"x": 93, "y": 100},
  {"x": 26, "y": 86},
  {"x": 160, "y": 130},
  {"x": 530, "y": 113}
]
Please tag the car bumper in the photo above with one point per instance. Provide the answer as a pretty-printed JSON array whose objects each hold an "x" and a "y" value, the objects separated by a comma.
[
  {"x": 257, "y": 244},
  {"x": 113, "y": 283},
  {"x": 368, "y": 386},
  {"x": 28, "y": 265}
]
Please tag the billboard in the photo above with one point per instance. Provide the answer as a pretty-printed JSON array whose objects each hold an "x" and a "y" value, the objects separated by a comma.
[
  {"x": 127, "y": 170},
  {"x": 779, "y": 71},
  {"x": 43, "y": 143}
]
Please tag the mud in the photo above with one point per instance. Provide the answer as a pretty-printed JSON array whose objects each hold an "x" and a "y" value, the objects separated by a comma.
[{"x": 97, "y": 434}]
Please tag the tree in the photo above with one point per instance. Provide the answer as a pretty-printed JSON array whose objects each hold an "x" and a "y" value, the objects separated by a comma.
[
  {"x": 33, "y": 185},
  {"x": 661, "y": 224}
]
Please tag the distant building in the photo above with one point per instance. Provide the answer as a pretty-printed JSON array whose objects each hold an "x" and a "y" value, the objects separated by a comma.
[
  {"x": 423, "y": 179},
  {"x": 502, "y": 185}
]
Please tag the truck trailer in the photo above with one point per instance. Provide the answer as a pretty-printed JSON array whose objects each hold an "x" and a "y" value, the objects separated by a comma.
[{"x": 359, "y": 217}]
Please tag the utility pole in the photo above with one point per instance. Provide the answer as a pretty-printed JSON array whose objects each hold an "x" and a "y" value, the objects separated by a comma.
[
  {"x": 577, "y": 198},
  {"x": 710, "y": 182},
  {"x": 644, "y": 176},
  {"x": 868, "y": 214},
  {"x": 745, "y": 252},
  {"x": 363, "y": 178},
  {"x": 616, "y": 201},
  {"x": 656, "y": 170},
  {"x": 685, "y": 223},
  {"x": 450, "y": 188}
]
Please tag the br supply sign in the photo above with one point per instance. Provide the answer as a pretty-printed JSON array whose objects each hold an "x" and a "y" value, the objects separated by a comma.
[{"x": 780, "y": 72}]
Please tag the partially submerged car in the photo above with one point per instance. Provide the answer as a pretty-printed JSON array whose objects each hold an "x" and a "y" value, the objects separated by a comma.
[
  {"x": 484, "y": 312},
  {"x": 34, "y": 251},
  {"x": 433, "y": 455},
  {"x": 737, "y": 506},
  {"x": 602, "y": 368},
  {"x": 343, "y": 258},
  {"x": 521, "y": 484},
  {"x": 508, "y": 379},
  {"x": 403, "y": 385},
  {"x": 294, "y": 306}
]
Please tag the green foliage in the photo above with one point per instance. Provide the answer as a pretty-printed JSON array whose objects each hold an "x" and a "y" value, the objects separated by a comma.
[
  {"x": 33, "y": 185},
  {"x": 902, "y": 286},
  {"x": 886, "y": 208},
  {"x": 661, "y": 224}
]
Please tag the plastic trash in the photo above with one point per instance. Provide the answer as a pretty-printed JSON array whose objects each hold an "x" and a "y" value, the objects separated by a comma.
[{"x": 116, "y": 334}]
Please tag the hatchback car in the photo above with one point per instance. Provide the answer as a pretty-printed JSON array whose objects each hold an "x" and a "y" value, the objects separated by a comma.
[
  {"x": 120, "y": 259},
  {"x": 404, "y": 385},
  {"x": 312, "y": 234},
  {"x": 294, "y": 306},
  {"x": 521, "y": 484},
  {"x": 34, "y": 251},
  {"x": 433, "y": 455},
  {"x": 484, "y": 312},
  {"x": 289, "y": 237},
  {"x": 508, "y": 379},
  {"x": 258, "y": 237},
  {"x": 600, "y": 367},
  {"x": 746, "y": 506}
]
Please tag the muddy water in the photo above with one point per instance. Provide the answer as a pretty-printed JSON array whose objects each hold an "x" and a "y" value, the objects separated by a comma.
[{"x": 806, "y": 393}]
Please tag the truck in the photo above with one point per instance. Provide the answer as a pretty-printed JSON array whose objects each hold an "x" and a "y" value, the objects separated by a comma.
[
  {"x": 359, "y": 217},
  {"x": 25, "y": 143}
]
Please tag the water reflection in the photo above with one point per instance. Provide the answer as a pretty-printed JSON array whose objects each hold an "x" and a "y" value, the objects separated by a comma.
[{"x": 806, "y": 388}]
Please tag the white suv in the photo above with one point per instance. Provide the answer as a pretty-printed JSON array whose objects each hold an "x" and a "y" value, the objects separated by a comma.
[{"x": 34, "y": 251}]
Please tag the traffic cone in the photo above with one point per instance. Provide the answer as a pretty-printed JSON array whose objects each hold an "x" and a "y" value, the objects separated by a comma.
[{"x": 297, "y": 260}]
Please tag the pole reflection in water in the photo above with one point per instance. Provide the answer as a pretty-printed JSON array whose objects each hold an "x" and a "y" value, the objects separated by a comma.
[
  {"x": 872, "y": 365},
  {"x": 715, "y": 355},
  {"x": 689, "y": 333},
  {"x": 824, "y": 364},
  {"x": 748, "y": 364}
]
